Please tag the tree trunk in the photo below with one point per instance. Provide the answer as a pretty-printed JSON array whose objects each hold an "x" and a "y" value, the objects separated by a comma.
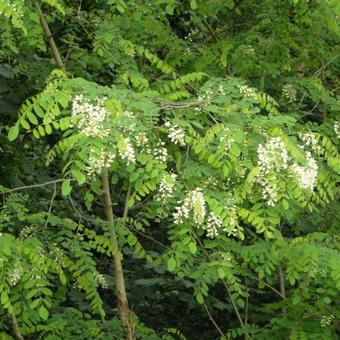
[{"x": 123, "y": 306}]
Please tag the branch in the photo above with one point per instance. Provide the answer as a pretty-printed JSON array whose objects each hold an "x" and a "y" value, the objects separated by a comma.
[
  {"x": 213, "y": 321},
  {"x": 49, "y": 37},
  {"x": 37, "y": 185}
]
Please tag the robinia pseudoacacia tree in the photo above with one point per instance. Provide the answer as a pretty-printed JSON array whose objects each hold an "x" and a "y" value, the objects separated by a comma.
[{"x": 210, "y": 160}]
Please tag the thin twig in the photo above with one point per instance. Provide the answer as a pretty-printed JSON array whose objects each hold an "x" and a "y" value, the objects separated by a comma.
[
  {"x": 148, "y": 237},
  {"x": 213, "y": 321},
  {"x": 267, "y": 285},
  {"x": 51, "y": 203}
]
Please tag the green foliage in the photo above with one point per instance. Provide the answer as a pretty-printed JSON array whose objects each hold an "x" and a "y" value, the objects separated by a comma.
[{"x": 219, "y": 125}]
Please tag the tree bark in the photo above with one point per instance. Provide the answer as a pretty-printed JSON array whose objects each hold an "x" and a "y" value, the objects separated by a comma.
[
  {"x": 15, "y": 328},
  {"x": 123, "y": 307},
  {"x": 49, "y": 37}
]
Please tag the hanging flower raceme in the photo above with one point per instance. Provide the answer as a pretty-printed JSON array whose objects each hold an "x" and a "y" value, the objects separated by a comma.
[
  {"x": 310, "y": 140},
  {"x": 126, "y": 151},
  {"x": 90, "y": 116},
  {"x": 272, "y": 158},
  {"x": 214, "y": 225},
  {"x": 306, "y": 175},
  {"x": 176, "y": 134},
  {"x": 98, "y": 160},
  {"x": 166, "y": 187},
  {"x": 193, "y": 206},
  {"x": 336, "y": 127}
]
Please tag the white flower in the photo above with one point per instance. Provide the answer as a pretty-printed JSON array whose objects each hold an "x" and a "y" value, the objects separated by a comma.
[
  {"x": 226, "y": 141},
  {"x": 214, "y": 225},
  {"x": 98, "y": 160},
  {"x": 176, "y": 134},
  {"x": 193, "y": 203},
  {"x": 141, "y": 139},
  {"x": 127, "y": 152},
  {"x": 306, "y": 175},
  {"x": 101, "y": 280},
  {"x": 272, "y": 158},
  {"x": 289, "y": 92},
  {"x": 310, "y": 140},
  {"x": 247, "y": 91},
  {"x": 15, "y": 274},
  {"x": 26, "y": 232},
  {"x": 166, "y": 187},
  {"x": 90, "y": 117},
  {"x": 161, "y": 152},
  {"x": 337, "y": 128},
  {"x": 326, "y": 320}
]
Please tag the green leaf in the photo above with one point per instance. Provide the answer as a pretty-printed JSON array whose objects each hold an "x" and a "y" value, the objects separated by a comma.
[
  {"x": 171, "y": 264},
  {"x": 24, "y": 124},
  {"x": 32, "y": 118},
  {"x": 221, "y": 273},
  {"x": 285, "y": 204},
  {"x": 43, "y": 312},
  {"x": 199, "y": 298},
  {"x": 193, "y": 4},
  {"x": 13, "y": 132},
  {"x": 35, "y": 303},
  {"x": 81, "y": 178},
  {"x": 66, "y": 187},
  {"x": 36, "y": 133},
  {"x": 192, "y": 247}
]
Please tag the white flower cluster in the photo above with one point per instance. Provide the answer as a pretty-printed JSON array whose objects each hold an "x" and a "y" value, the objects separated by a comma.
[
  {"x": 249, "y": 50},
  {"x": 141, "y": 139},
  {"x": 193, "y": 203},
  {"x": 289, "y": 92},
  {"x": 90, "y": 117},
  {"x": 306, "y": 175},
  {"x": 272, "y": 158},
  {"x": 220, "y": 90},
  {"x": 204, "y": 98},
  {"x": 247, "y": 91},
  {"x": 26, "y": 232},
  {"x": 14, "y": 8},
  {"x": 160, "y": 152},
  {"x": 310, "y": 140},
  {"x": 176, "y": 134},
  {"x": 337, "y": 128},
  {"x": 166, "y": 187},
  {"x": 214, "y": 225},
  {"x": 101, "y": 281},
  {"x": 326, "y": 320},
  {"x": 226, "y": 141},
  {"x": 98, "y": 160},
  {"x": 15, "y": 274},
  {"x": 127, "y": 152}
]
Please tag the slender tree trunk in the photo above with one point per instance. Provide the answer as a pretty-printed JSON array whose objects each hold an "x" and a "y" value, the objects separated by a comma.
[
  {"x": 282, "y": 286},
  {"x": 15, "y": 328},
  {"x": 49, "y": 37},
  {"x": 123, "y": 306}
]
